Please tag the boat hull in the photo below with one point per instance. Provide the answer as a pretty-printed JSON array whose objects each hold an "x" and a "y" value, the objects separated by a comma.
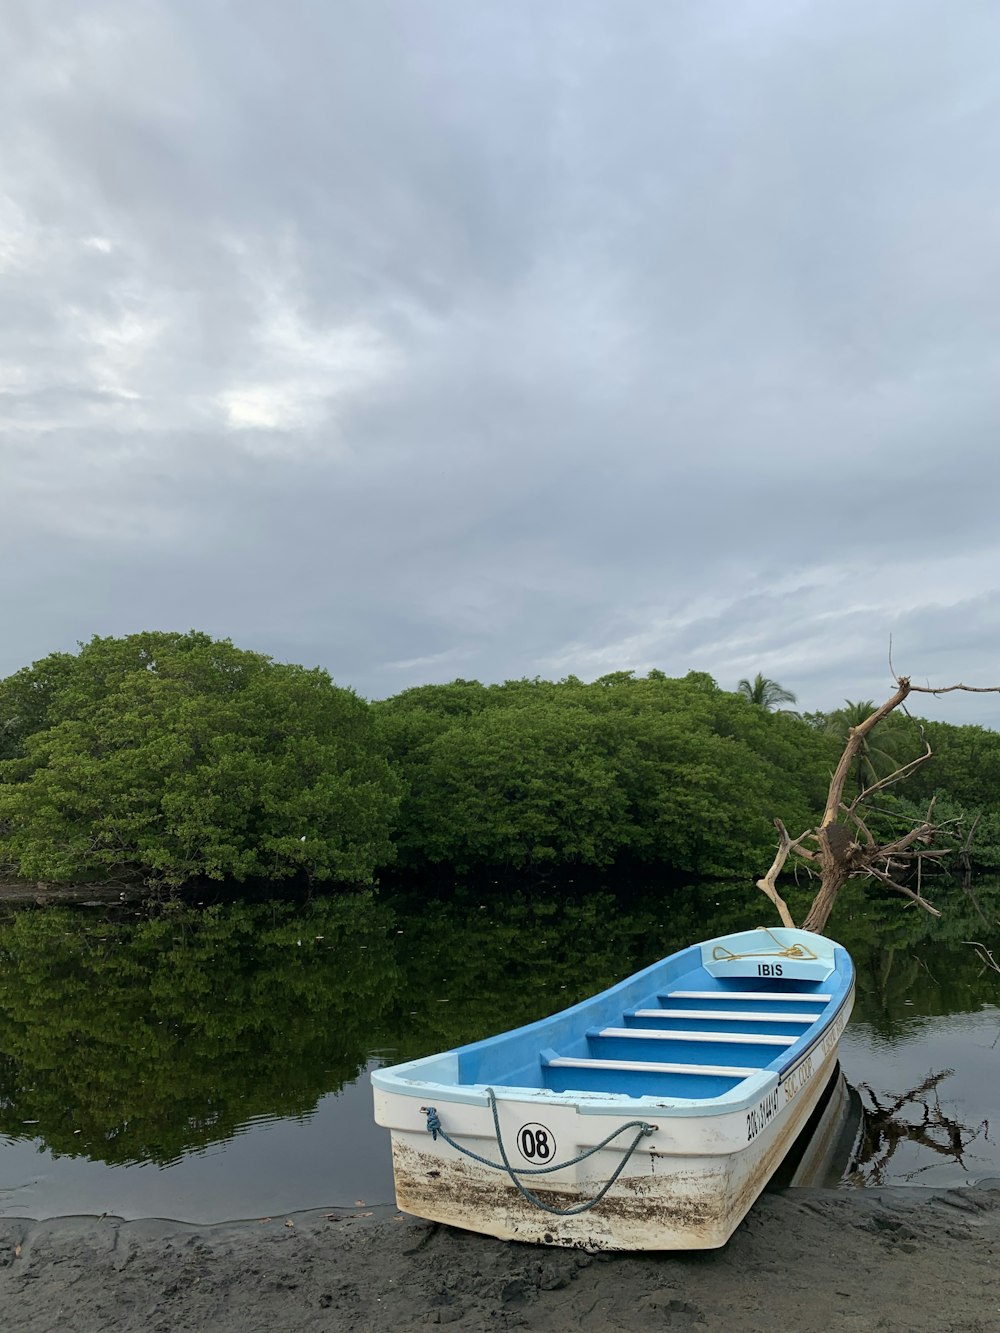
[
  {"x": 649, "y": 1117},
  {"x": 687, "y": 1186}
]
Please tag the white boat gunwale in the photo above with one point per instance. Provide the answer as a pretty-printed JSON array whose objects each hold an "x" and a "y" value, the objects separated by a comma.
[{"x": 823, "y": 1035}]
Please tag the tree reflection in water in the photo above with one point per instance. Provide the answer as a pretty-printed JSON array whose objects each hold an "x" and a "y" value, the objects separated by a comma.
[
  {"x": 138, "y": 1037},
  {"x": 914, "y": 1117}
]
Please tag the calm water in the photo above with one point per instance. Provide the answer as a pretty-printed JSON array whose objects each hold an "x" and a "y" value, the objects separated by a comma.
[{"x": 210, "y": 1063}]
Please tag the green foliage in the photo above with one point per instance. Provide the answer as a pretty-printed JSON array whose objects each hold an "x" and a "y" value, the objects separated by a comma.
[
  {"x": 966, "y": 764},
  {"x": 177, "y": 757},
  {"x": 521, "y": 785},
  {"x": 173, "y": 757},
  {"x": 531, "y": 773}
]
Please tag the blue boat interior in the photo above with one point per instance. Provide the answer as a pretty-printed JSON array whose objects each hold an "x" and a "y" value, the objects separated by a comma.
[{"x": 692, "y": 1027}]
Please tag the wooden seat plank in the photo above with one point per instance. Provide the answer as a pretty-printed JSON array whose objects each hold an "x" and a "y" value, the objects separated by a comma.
[
  {"x": 726, "y": 1038},
  {"x": 795, "y": 997},
  {"x": 726, "y": 1015},
  {"x": 649, "y": 1066}
]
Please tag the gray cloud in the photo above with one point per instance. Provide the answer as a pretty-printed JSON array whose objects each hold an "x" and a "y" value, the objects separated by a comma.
[{"x": 432, "y": 340}]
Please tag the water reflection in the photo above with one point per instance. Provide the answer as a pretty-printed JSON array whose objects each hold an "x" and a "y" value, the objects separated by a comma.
[
  {"x": 474, "y": 966},
  {"x": 130, "y": 1041},
  {"x": 853, "y": 1136},
  {"x": 912, "y": 1118},
  {"x": 826, "y": 1149},
  {"x": 151, "y": 1037},
  {"x": 335, "y": 1157}
]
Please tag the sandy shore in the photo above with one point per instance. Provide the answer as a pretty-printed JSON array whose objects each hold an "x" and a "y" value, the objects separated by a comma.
[{"x": 803, "y": 1261}]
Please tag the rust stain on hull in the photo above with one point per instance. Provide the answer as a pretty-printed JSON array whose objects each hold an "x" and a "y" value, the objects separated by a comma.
[{"x": 476, "y": 1199}]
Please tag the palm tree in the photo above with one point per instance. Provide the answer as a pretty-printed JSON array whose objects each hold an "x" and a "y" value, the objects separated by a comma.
[{"x": 765, "y": 693}]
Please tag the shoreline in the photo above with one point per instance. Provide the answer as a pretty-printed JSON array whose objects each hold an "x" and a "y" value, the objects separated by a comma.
[
  {"x": 808, "y": 1260},
  {"x": 24, "y": 892}
]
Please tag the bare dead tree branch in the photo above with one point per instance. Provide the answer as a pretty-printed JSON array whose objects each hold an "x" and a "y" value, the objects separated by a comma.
[
  {"x": 842, "y": 846},
  {"x": 923, "y": 833},
  {"x": 767, "y": 883},
  {"x": 897, "y": 776},
  {"x": 884, "y": 878},
  {"x": 854, "y": 740},
  {"x": 950, "y": 689},
  {"x": 853, "y": 814}
]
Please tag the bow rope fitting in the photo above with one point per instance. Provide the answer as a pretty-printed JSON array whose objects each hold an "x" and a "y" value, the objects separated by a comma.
[{"x": 643, "y": 1128}]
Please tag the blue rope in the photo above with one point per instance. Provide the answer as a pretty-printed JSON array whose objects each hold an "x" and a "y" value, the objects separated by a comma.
[{"x": 434, "y": 1128}]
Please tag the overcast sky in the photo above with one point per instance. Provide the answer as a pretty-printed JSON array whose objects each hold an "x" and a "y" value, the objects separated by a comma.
[{"x": 448, "y": 338}]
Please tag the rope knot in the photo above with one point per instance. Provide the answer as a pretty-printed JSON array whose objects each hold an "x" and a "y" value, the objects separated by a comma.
[{"x": 433, "y": 1121}]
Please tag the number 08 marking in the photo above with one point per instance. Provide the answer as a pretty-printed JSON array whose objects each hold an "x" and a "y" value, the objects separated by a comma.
[{"x": 535, "y": 1143}]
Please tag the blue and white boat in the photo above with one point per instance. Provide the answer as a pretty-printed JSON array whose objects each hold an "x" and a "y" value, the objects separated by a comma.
[{"x": 648, "y": 1117}]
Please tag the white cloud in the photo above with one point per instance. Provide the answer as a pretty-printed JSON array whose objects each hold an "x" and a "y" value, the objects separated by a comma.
[
  {"x": 262, "y": 408},
  {"x": 431, "y": 663},
  {"x": 121, "y": 348},
  {"x": 296, "y": 370}
]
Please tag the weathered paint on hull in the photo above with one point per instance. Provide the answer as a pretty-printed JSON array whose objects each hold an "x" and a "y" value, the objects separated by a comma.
[
  {"x": 664, "y": 1200},
  {"x": 720, "y": 1124}
]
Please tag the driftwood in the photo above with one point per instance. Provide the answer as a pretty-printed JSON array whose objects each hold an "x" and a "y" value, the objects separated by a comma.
[{"x": 841, "y": 847}]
